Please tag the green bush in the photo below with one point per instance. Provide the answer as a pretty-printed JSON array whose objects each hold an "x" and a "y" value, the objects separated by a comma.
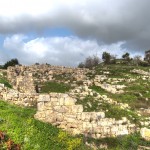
[{"x": 5, "y": 82}]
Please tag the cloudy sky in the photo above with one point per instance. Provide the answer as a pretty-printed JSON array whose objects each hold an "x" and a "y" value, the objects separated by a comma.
[{"x": 65, "y": 32}]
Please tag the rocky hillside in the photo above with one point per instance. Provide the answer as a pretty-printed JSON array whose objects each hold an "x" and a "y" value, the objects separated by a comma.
[{"x": 108, "y": 105}]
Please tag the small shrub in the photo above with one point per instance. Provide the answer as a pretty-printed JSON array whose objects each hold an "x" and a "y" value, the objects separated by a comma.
[{"x": 5, "y": 82}]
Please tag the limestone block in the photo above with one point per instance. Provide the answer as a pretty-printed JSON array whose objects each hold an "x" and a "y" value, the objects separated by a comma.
[
  {"x": 119, "y": 122},
  {"x": 69, "y": 101},
  {"x": 70, "y": 118},
  {"x": 114, "y": 129},
  {"x": 64, "y": 95},
  {"x": 79, "y": 116},
  {"x": 59, "y": 118},
  {"x": 106, "y": 130},
  {"x": 77, "y": 108},
  {"x": 40, "y": 106},
  {"x": 145, "y": 133},
  {"x": 63, "y": 125},
  {"x": 4, "y": 96},
  {"x": 124, "y": 119},
  {"x": 47, "y": 104},
  {"x": 55, "y": 103},
  {"x": 61, "y": 109},
  {"x": 52, "y": 119},
  {"x": 122, "y": 130},
  {"x": 85, "y": 88},
  {"x": 72, "y": 125},
  {"x": 102, "y": 123},
  {"x": 61, "y": 101},
  {"x": 48, "y": 113},
  {"x": 86, "y": 116},
  {"x": 39, "y": 115},
  {"x": 43, "y": 97},
  {"x": 100, "y": 115},
  {"x": 98, "y": 136},
  {"x": 76, "y": 131},
  {"x": 54, "y": 99},
  {"x": 2, "y": 85},
  {"x": 94, "y": 124},
  {"x": 85, "y": 93}
]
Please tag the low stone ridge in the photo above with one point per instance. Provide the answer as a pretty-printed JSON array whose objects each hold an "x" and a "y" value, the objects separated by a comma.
[{"x": 100, "y": 80}]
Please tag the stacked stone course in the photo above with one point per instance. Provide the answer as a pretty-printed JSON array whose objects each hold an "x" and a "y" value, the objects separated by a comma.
[
  {"x": 60, "y": 110},
  {"x": 18, "y": 98}
]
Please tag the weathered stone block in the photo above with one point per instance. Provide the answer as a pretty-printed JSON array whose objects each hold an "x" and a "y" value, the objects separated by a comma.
[
  {"x": 48, "y": 104},
  {"x": 48, "y": 113},
  {"x": 69, "y": 101},
  {"x": 59, "y": 109},
  {"x": 40, "y": 106},
  {"x": 43, "y": 98},
  {"x": 54, "y": 99},
  {"x": 61, "y": 101},
  {"x": 77, "y": 108}
]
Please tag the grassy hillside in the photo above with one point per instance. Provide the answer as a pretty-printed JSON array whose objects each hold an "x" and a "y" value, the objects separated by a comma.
[
  {"x": 23, "y": 129},
  {"x": 20, "y": 125}
]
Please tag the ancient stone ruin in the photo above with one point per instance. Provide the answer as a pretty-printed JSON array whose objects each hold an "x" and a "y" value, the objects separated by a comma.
[
  {"x": 25, "y": 78},
  {"x": 61, "y": 110}
]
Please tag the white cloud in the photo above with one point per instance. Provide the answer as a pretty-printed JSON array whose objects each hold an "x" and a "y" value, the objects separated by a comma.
[
  {"x": 102, "y": 20},
  {"x": 67, "y": 51}
]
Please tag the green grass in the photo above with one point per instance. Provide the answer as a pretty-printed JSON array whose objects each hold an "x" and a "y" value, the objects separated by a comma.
[
  {"x": 48, "y": 87},
  {"x": 23, "y": 129},
  {"x": 119, "y": 71},
  {"x": 63, "y": 77},
  {"x": 111, "y": 111},
  {"x": 128, "y": 142},
  {"x": 31, "y": 134},
  {"x": 131, "y": 95},
  {"x": 5, "y": 82}
]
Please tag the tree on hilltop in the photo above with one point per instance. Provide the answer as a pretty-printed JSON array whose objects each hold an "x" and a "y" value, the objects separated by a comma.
[
  {"x": 106, "y": 57},
  {"x": 12, "y": 62},
  {"x": 90, "y": 62},
  {"x": 126, "y": 56}
]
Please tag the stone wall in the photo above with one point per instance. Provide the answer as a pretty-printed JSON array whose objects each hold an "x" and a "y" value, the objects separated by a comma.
[
  {"x": 18, "y": 98},
  {"x": 60, "y": 110},
  {"x": 23, "y": 78}
]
